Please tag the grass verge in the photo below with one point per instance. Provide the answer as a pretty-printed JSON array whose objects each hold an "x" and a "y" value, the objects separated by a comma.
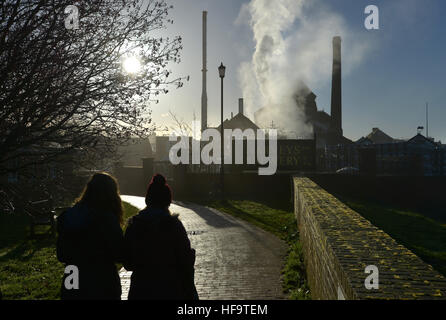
[
  {"x": 277, "y": 218},
  {"x": 29, "y": 269}
]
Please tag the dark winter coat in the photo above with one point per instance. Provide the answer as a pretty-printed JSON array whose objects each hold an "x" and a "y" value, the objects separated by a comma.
[
  {"x": 94, "y": 243},
  {"x": 160, "y": 256}
]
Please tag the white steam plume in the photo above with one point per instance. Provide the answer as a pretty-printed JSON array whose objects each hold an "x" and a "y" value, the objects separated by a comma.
[{"x": 293, "y": 41}]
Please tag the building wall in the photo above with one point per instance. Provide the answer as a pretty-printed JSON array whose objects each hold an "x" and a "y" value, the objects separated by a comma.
[
  {"x": 338, "y": 244},
  {"x": 403, "y": 158}
]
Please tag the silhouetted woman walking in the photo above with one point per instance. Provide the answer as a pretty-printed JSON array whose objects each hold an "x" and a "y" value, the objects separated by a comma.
[
  {"x": 158, "y": 250},
  {"x": 90, "y": 237}
]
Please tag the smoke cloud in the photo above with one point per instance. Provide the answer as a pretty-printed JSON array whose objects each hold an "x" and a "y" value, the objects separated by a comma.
[{"x": 293, "y": 46}]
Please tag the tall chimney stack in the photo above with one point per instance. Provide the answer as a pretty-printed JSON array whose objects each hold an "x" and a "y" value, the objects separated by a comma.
[
  {"x": 336, "y": 87},
  {"x": 204, "y": 96},
  {"x": 240, "y": 105}
]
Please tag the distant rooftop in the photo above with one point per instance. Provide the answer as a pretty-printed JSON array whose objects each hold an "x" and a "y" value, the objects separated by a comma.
[
  {"x": 239, "y": 121},
  {"x": 377, "y": 136}
]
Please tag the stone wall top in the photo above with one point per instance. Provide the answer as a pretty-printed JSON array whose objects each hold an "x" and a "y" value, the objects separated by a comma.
[{"x": 332, "y": 229}]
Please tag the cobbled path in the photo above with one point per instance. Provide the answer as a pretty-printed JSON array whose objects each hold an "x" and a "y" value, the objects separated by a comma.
[{"x": 235, "y": 260}]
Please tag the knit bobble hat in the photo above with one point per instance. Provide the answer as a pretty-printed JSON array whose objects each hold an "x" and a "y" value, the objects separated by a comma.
[{"x": 159, "y": 193}]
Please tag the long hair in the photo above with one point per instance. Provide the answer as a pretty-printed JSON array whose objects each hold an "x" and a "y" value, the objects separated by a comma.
[{"x": 102, "y": 195}]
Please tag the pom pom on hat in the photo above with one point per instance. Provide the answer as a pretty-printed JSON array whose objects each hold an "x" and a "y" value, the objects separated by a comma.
[
  {"x": 158, "y": 179},
  {"x": 158, "y": 193}
]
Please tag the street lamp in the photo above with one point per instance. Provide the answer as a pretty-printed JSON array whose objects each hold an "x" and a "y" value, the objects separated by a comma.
[{"x": 221, "y": 71}]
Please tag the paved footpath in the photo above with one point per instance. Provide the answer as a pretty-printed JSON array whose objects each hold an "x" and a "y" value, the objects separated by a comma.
[{"x": 235, "y": 260}]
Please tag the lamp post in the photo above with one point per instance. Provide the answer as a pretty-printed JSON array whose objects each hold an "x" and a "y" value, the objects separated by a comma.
[{"x": 221, "y": 71}]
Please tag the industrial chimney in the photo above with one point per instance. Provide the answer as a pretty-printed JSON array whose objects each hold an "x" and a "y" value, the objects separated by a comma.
[
  {"x": 240, "y": 105},
  {"x": 204, "y": 96},
  {"x": 336, "y": 87}
]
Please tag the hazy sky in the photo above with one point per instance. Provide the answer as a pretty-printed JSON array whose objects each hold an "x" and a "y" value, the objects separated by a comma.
[{"x": 389, "y": 74}]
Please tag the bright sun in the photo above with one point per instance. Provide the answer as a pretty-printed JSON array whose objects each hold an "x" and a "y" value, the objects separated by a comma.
[{"x": 131, "y": 65}]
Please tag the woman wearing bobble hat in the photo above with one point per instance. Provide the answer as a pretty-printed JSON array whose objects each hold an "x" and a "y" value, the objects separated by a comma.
[{"x": 158, "y": 250}]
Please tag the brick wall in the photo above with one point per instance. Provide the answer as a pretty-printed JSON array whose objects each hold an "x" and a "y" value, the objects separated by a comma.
[
  {"x": 241, "y": 185},
  {"x": 338, "y": 244},
  {"x": 131, "y": 180}
]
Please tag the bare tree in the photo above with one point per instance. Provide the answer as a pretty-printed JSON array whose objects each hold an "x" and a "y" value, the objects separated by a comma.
[
  {"x": 179, "y": 126},
  {"x": 65, "y": 89}
]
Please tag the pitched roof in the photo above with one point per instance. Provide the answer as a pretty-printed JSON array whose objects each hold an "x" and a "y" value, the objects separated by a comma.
[
  {"x": 419, "y": 138},
  {"x": 364, "y": 140},
  {"x": 239, "y": 121},
  {"x": 377, "y": 136}
]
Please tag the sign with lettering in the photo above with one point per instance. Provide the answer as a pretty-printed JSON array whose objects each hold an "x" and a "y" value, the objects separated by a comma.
[{"x": 296, "y": 155}]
